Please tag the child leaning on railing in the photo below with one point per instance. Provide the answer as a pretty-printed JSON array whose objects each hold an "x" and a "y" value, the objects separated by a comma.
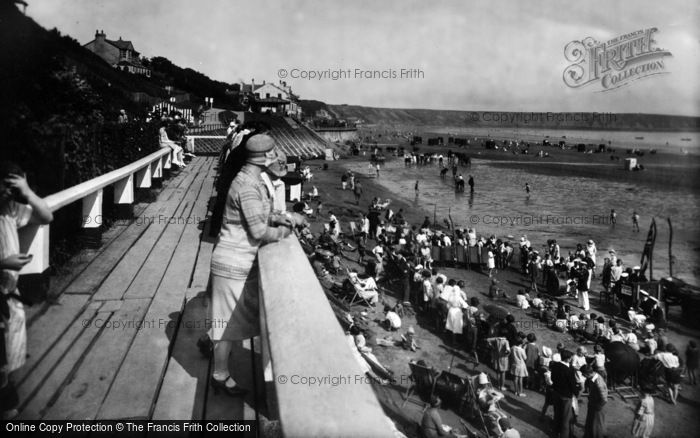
[{"x": 19, "y": 206}]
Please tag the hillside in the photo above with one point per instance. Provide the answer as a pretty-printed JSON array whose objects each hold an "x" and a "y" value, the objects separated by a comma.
[{"x": 479, "y": 119}]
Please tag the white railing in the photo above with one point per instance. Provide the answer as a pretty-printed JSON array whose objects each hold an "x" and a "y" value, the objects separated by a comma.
[
  {"x": 34, "y": 239},
  {"x": 191, "y": 143},
  {"x": 206, "y": 128}
]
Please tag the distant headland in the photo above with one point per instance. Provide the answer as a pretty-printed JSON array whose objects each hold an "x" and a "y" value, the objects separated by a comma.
[{"x": 511, "y": 119}]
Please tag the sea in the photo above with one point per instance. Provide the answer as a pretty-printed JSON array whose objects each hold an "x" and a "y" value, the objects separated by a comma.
[
  {"x": 676, "y": 142},
  {"x": 568, "y": 209}
]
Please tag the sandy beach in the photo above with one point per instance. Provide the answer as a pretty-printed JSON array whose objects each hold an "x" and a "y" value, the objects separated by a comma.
[{"x": 436, "y": 348}]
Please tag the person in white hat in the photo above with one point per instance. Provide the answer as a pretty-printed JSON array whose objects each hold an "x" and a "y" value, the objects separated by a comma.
[
  {"x": 409, "y": 339},
  {"x": 486, "y": 395}
]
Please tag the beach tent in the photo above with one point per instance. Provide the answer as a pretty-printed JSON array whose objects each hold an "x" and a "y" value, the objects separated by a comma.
[{"x": 293, "y": 183}]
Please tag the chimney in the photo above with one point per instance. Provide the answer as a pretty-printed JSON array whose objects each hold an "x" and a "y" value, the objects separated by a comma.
[
  {"x": 252, "y": 85},
  {"x": 263, "y": 81},
  {"x": 99, "y": 35}
]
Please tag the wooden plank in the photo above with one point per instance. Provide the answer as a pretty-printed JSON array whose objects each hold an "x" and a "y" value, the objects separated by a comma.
[
  {"x": 88, "y": 280},
  {"x": 82, "y": 397},
  {"x": 183, "y": 392},
  {"x": 41, "y": 385},
  {"x": 139, "y": 378},
  {"x": 223, "y": 407},
  {"x": 118, "y": 281},
  {"x": 47, "y": 328},
  {"x": 200, "y": 276},
  {"x": 111, "y": 305},
  {"x": 149, "y": 277}
]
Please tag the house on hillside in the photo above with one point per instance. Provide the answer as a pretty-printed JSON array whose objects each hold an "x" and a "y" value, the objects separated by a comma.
[
  {"x": 276, "y": 98},
  {"x": 119, "y": 54}
]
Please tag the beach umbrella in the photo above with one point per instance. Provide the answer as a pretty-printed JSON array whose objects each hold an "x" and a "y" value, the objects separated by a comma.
[{"x": 496, "y": 311}]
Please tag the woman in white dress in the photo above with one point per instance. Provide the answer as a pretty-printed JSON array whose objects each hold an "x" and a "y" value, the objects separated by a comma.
[{"x": 455, "y": 317}]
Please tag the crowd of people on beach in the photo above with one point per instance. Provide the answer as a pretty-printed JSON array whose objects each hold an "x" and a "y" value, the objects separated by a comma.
[{"x": 403, "y": 254}]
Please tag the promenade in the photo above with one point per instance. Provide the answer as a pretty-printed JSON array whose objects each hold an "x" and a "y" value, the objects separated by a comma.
[{"x": 119, "y": 342}]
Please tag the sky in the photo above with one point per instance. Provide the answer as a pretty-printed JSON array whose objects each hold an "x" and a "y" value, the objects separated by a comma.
[{"x": 460, "y": 55}]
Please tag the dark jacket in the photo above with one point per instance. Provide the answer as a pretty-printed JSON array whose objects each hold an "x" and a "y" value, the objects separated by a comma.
[{"x": 563, "y": 379}]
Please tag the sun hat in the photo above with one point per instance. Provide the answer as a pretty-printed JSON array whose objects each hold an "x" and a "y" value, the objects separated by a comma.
[
  {"x": 262, "y": 151},
  {"x": 257, "y": 147}
]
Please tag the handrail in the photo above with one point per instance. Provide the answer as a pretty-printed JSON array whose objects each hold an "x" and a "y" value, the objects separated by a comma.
[
  {"x": 305, "y": 341},
  {"x": 72, "y": 194},
  {"x": 34, "y": 239}
]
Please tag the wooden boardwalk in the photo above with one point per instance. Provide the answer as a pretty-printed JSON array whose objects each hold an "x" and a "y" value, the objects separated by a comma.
[{"x": 119, "y": 343}]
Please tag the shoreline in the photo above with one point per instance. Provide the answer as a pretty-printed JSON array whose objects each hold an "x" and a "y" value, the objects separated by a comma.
[{"x": 664, "y": 170}]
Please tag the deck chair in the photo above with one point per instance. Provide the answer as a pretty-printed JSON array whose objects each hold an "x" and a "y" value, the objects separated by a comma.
[
  {"x": 423, "y": 380},
  {"x": 452, "y": 389},
  {"x": 474, "y": 399},
  {"x": 356, "y": 297}
]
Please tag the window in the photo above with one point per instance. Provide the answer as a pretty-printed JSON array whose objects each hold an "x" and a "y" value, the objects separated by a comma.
[
  {"x": 257, "y": 95},
  {"x": 279, "y": 95},
  {"x": 267, "y": 95}
]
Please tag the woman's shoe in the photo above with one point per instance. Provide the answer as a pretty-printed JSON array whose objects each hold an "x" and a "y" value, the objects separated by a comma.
[{"x": 234, "y": 391}]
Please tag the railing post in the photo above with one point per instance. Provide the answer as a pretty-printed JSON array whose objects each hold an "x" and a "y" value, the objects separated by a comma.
[
  {"x": 34, "y": 276},
  {"x": 168, "y": 161},
  {"x": 157, "y": 173},
  {"x": 124, "y": 198},
  {"x": 92, "y": 219},
  {"x": 143, "y": 178}
]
